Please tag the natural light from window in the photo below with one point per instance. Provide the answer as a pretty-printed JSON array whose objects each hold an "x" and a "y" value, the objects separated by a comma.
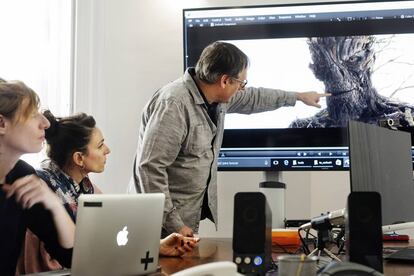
[{"x": 36, "y": 48}]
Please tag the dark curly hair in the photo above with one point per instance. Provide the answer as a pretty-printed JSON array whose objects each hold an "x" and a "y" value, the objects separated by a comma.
[{"x": 67, "y": 135}]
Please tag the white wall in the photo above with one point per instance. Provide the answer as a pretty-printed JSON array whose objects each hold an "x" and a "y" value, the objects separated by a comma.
[{"x": 125, "y": 50}]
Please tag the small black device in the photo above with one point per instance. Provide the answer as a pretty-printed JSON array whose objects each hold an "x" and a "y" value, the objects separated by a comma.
[
  {"x": 252, "y": 233},
  {"x": 363, "y": 229},
  {"x": 295, "y": 222},
  {"x": 390, "y": 123}
]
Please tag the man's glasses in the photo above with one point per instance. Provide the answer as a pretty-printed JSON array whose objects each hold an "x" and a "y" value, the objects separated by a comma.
[{"x": 243, "y": 83}]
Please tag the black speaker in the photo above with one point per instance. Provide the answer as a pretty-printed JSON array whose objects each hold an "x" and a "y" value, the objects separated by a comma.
[
  {"x": 364, "y": 229},
  {"x": 252, "y": 233}
]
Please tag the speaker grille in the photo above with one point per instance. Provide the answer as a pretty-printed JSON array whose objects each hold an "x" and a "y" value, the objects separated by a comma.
[{"x": 249, "y": 223}]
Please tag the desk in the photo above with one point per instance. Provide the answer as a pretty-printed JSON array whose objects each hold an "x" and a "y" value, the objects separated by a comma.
[{"x": 212, "y": 250}]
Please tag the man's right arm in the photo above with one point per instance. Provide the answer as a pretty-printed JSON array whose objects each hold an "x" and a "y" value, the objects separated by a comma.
[
  {"x": 161, "y": 142},
  {"x": 254, "y": 100}
]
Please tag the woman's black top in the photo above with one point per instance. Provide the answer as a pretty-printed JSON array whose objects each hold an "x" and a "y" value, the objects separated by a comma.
[{"x": 14, "y": 221}]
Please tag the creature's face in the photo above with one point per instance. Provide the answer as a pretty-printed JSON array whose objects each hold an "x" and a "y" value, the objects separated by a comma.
[{"x": 344, "y": 64}]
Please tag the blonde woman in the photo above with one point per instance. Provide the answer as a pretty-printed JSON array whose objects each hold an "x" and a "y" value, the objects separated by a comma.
[{"x": 26, "y": 202}]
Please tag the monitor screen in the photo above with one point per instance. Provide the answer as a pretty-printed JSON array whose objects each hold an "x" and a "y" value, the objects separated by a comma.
[
  {"x": 360, "y": 52},
  {"x": 381, "y": 162}
]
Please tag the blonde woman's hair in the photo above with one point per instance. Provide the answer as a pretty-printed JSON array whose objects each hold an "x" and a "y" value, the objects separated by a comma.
[{"x": 17, "y": 100}]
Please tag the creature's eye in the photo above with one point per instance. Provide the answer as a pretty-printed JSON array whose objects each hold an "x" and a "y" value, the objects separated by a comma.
[{"x": 353, "y": 59}]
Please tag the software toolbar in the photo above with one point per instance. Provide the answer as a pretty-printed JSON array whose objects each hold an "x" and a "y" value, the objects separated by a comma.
[
  {"x": 295, "y": 159},
  {"x": 303, "y": 17},
  {"x": 285, "y": 160}
]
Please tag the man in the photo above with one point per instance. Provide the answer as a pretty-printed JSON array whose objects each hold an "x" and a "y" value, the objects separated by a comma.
[{"x": 182, "y": 129}]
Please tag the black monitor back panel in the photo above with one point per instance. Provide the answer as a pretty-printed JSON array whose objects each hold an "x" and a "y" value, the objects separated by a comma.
[{"x": 380, "y": 161}]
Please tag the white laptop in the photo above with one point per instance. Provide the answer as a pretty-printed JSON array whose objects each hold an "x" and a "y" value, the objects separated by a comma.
[{"x": 117, "y": 234}]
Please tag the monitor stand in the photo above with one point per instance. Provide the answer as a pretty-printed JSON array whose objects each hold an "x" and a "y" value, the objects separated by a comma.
[
  {"x": 274, "y": 190},
  {"x": 276, "y": 176}
]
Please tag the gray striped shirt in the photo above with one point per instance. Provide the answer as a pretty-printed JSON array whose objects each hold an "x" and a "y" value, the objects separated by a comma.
[{"x": 178, "y": 145}]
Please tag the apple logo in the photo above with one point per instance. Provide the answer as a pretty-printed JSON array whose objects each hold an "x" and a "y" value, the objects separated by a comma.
[{"x": 122, "y": 237}]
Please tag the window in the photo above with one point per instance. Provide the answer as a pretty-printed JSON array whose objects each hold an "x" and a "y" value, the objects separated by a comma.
[{"x": 36, "y": 48}]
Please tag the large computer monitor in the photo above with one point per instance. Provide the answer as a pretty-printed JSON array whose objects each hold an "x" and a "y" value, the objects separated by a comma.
[
  {"x": 381, "y": 162},
  {"x": 358, "y": 51}
]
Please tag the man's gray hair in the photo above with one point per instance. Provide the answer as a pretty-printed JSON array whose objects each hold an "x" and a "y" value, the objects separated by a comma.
[{"x": 220, "y": 58}]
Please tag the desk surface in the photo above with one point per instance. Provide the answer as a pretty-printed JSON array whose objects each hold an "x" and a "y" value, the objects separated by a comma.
[{"x": 212, "y": 250}]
